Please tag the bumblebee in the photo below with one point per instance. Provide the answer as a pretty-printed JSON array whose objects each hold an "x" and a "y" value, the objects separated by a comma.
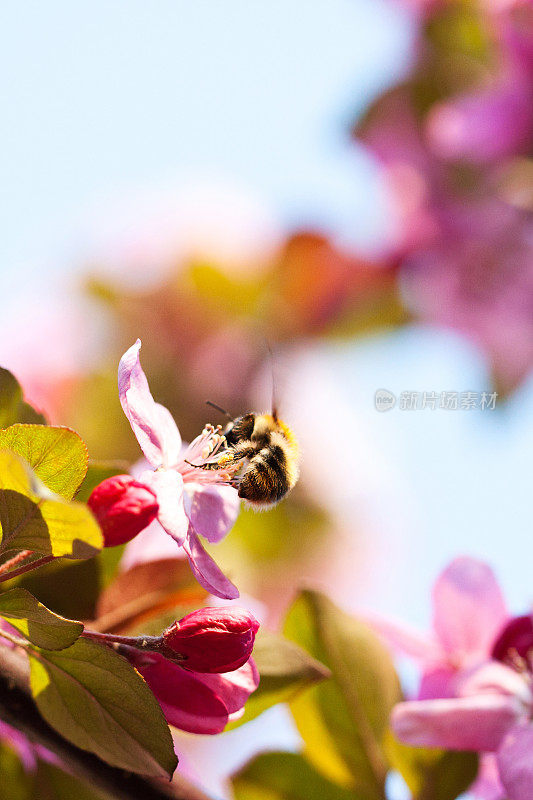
[{"x": 265, "y": 451}]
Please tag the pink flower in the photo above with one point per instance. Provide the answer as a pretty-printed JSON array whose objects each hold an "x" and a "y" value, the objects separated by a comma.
[
  {"x": 123, "y": 508},
  {"x": 476, "y": 277},
  {"x": 192, "y": 501},
  {"x": 213, "y": 639},
  {"x": 27, "y": 751},
  {"x": 468, "y": 613},
  {"x": 486, "y": 125},
  {"x": 197, "y": 702},
  {"x": 492, "y": 714}
]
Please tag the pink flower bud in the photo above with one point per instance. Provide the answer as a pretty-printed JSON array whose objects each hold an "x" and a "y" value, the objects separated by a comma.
[
  {"x": 213, "y": 639},
  {"x": 123, "y": 507},
  {"x": 516, "y": 639}
]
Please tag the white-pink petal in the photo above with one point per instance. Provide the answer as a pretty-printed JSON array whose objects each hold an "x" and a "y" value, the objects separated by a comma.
[
  {"x": 406, "y": 640},
  {"x": 438, "y": 681},
  {"x": 207, "y": 573},
  {"x": 469, "y": 608},
  {"x": 168, "y": 486},
  {"x": 515, "y": 762},
  {"x": 496, "y": 677},
  {"x": 487, "y": 785},
  {"x": 152, "y": 544},
  {"x": 212, "y": 510},
  {"x": 466, "y": 723},
  {"x": 152, "y": 423}
]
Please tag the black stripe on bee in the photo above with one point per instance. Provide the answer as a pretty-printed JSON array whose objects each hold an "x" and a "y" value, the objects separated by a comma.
[
  {"x": 265, "y": 480},
  {"x": 240, "y": 429},
  {"x": 274, "y": 457}
]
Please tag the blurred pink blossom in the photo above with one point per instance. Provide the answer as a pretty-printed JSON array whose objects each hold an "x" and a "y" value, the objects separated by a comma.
[
  {"x": 210, "y": 506},
  {"x": 514, "y": 25},
  {"x": 413, "y": 175},
  {"x": 27, "y": 751},
  {"x": 484, "y": 126},
  {"x": 468, "y": 613},
  {"x": 477, "y": 277},
  {"x": 492, "y": 714}
]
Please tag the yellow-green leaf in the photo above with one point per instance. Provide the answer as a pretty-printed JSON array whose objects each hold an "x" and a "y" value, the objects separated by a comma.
[
  {"x": 432, "y": 774},
  {"x": 33, "y": 518},
  {"x": 37, "y": 623},
  {"x": 343, "y": 720},
  {"x": 58, "y": 456},
  {"x": 99, "y": 702},
  {"x": 285, "y": 670},
  {"x": 285, "y": 776}
]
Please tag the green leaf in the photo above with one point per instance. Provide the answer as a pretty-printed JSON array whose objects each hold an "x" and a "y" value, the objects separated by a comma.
[
  {"x": 285, "y": 776},
  {"x": 51, "y": 783},
  {"x": 97, "y": 472},
  {"x": 285, "y": 671},
  {"x": 58, "y": 456},
  {"x": 36, "y": 622},
  {"x": 67, "y": 587},
  {"x": 12, "y": 406},
  {"x": 15, "y": 779},
  {"x": 343, "y": 720},
  {"x": 280, "y": 535},
  {"x": 432, "y": 774},
  {"x": 33, "y": 518},
  {"x": 99, "y": 702}
]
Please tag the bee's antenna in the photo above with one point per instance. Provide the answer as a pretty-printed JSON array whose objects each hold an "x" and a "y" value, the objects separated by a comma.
[
  {"x": 274, "y": 404},
  {"x": 219, "y": 408}
]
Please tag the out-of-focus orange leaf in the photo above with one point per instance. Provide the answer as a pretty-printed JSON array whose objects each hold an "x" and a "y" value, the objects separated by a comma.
[{"x": 146, "y": 591}]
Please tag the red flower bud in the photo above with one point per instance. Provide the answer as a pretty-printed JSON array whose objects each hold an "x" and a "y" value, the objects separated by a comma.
[
  {"x": 123, "y": 507},
  {"x": 516, "y": 639},
  {"x": 213, "y": 639}
]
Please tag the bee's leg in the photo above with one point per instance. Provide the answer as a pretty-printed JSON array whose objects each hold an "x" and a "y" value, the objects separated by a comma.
[
  {"x": 229, "y": 458},
  {"x": 234, "y": 455}
]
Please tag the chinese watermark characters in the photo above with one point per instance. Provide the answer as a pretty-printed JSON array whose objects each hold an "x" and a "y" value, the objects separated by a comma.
[{"x": 385, "y": 400}]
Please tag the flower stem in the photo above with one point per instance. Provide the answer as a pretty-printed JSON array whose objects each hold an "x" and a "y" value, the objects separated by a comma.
[
  {"x": 7, "y": 565},
  {"x": 26, "y": 568},
  {"x": 139, "y": 642},
  {"x": 147, "y": 644}
]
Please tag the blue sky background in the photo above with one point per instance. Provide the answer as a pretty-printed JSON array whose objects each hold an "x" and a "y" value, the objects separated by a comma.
[{"x": 103, "y": 99}]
